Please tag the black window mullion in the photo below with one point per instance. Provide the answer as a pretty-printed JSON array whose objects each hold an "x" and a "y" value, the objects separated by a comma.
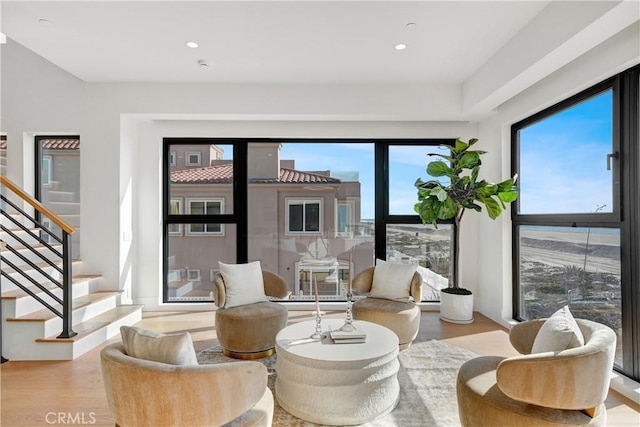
[
  {"x": 240, "y": 199},
  {"x": 630, "y": 226},
  {"x": 381, "y": 159}
]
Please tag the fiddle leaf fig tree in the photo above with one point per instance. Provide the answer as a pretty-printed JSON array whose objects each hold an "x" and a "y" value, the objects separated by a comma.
[{"x": 459, "y": 190}]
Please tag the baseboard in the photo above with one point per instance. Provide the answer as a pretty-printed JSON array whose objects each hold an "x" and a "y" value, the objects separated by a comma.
[{"x": 626, "y": 387}]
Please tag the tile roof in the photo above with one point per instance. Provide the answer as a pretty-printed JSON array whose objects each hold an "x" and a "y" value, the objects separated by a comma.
[
  {"x": 52, "y": 144},
  {"x": 61, "y": 144},
  {"x": 223, "y": 174},
  {"x": 220, "y": 174}
]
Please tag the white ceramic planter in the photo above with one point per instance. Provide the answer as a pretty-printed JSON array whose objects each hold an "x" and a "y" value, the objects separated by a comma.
[{"x": 456, "y": 308}]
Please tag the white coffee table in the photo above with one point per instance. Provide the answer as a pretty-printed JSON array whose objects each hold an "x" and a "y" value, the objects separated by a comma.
[{"x": 337, "y": 384}]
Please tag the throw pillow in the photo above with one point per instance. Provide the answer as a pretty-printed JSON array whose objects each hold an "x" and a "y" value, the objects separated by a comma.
[
  {"x": 392, "y": 280},
  {"x": 174, "y": 349},
  {"x": 243, "y": 284},
  {"x": 559, "y": 332}
]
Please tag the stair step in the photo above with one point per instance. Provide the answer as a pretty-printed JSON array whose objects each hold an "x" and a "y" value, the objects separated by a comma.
[
  {"x": 90, "y": 326},
  {"x": 78, "y": 303},
  {"x": 19, "y": 293}
]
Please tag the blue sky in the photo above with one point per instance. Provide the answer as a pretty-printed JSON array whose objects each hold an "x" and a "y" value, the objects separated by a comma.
[{"x": 564, "y": 160}]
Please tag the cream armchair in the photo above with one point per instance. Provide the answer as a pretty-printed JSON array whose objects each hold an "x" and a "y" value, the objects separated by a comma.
[
  {"x": 249, "y": 331},
  {"x": 146, "y": 393},
  {"x": 401, "y": 317},
  {"x": 565, "y": 388}
]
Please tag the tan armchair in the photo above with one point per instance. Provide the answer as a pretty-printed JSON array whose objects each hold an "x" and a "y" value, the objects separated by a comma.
[
  {"x": 249, "y": 331},
  {"x": 403, "y": 318},
  {"x": 565, "y": 388},
  {"x": 146, "y": 393}
]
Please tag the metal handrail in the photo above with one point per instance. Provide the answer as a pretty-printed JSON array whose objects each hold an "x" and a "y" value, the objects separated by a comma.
[{"x": 65, "y": 255}]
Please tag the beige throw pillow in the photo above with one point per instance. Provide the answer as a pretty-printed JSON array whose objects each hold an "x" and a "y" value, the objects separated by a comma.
[
  {"x": 392, "y": 280},
  {"x": 559, "y": 332},
  {"x": 173, "y": 349},
  {"x": 243, "y": 283}
]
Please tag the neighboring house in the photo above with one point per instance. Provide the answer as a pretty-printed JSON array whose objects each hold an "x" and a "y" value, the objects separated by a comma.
[{"x": 301, "y": 223}]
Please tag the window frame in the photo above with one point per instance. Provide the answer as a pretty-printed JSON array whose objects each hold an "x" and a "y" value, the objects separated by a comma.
[
  {"x": 180, "y": 211},
  {"x": 47, "y": 177},
  {"x": 350, "y": 205},
  {"x": 187, "y": 158},
  {"x": 304, "y": 201},
  {"x": 205, "y": 200},
  {"x": 625, "y": 215},
  {"x": 197, "y": 275},
  {"x": 172, "y": 158}
]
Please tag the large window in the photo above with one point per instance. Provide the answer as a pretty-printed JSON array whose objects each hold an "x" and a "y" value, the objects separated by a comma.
[
  {"x": 574, "y": 226},
  {"x": 310, "y": 211}
]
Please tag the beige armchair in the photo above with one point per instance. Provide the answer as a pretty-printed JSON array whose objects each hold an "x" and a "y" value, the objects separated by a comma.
[
  {"x": 401, "y": 317},
  {"x": 249, "y": 331},
  {"x": 565, "y": 388},
  {"x": 146, "y": 393}
]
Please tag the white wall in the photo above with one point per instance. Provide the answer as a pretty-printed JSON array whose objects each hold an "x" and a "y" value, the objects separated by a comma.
[{"x": 37, "y": 97}]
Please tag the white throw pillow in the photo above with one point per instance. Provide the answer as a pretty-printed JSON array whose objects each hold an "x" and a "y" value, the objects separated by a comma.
[
  {"x": 174, "y": 349},
  {"x": 392, "y": 280},
  {"x": 244, "y": 283},
  {"x": 559, "y": 332}
]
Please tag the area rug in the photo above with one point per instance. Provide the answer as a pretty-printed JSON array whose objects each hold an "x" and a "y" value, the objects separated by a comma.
[{"x": 427, "y": 379}]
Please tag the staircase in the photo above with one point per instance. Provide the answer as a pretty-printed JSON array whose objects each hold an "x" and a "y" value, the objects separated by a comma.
[{"x": 40, "y": 295}]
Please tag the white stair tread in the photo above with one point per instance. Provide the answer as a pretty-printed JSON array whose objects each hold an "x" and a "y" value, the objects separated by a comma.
[
  {"x": 45, "y": 314},
  {"x": 19, "y": 293},
  {"x": 87, "y": 327}
]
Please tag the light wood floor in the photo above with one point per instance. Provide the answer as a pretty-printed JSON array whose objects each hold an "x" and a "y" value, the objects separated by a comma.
[{"x": 71, "y": 392}]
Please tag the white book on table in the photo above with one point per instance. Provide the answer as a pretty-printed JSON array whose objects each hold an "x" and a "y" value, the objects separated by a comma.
[{"x": 337, "y": 334}]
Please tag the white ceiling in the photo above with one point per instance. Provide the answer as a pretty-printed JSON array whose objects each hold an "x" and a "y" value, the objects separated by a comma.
[
  {"x": 463, "y": 60},
  {"x": 268, "y": 41}
]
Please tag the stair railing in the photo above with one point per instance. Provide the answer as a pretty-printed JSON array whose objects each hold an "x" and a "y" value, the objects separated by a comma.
[{"x": 64, "y": 257}]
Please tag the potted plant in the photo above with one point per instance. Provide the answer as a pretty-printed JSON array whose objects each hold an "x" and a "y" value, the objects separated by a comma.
[{"x": 442, "y": 201}]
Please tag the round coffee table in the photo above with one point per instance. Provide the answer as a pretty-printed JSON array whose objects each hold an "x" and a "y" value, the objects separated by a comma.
[{"x": 337, "y": 384}]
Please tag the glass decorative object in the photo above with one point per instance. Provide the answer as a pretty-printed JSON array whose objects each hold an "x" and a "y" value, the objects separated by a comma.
[
  {"x": 317, "y": 335},
  {"x": 348, "y": 322}
]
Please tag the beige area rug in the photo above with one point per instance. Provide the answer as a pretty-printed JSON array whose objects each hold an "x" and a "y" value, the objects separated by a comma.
[{"x": 427, "y": 379}]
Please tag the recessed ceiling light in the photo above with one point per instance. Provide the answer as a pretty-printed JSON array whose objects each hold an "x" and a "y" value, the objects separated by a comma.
[
  {"x": 401, "y": 46},
  {"x": 203, "y": 64},
  {"x": 192, "y": 45},
  {"x": 44, "y": 21},
  {"x": 410, "y": 25}
]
